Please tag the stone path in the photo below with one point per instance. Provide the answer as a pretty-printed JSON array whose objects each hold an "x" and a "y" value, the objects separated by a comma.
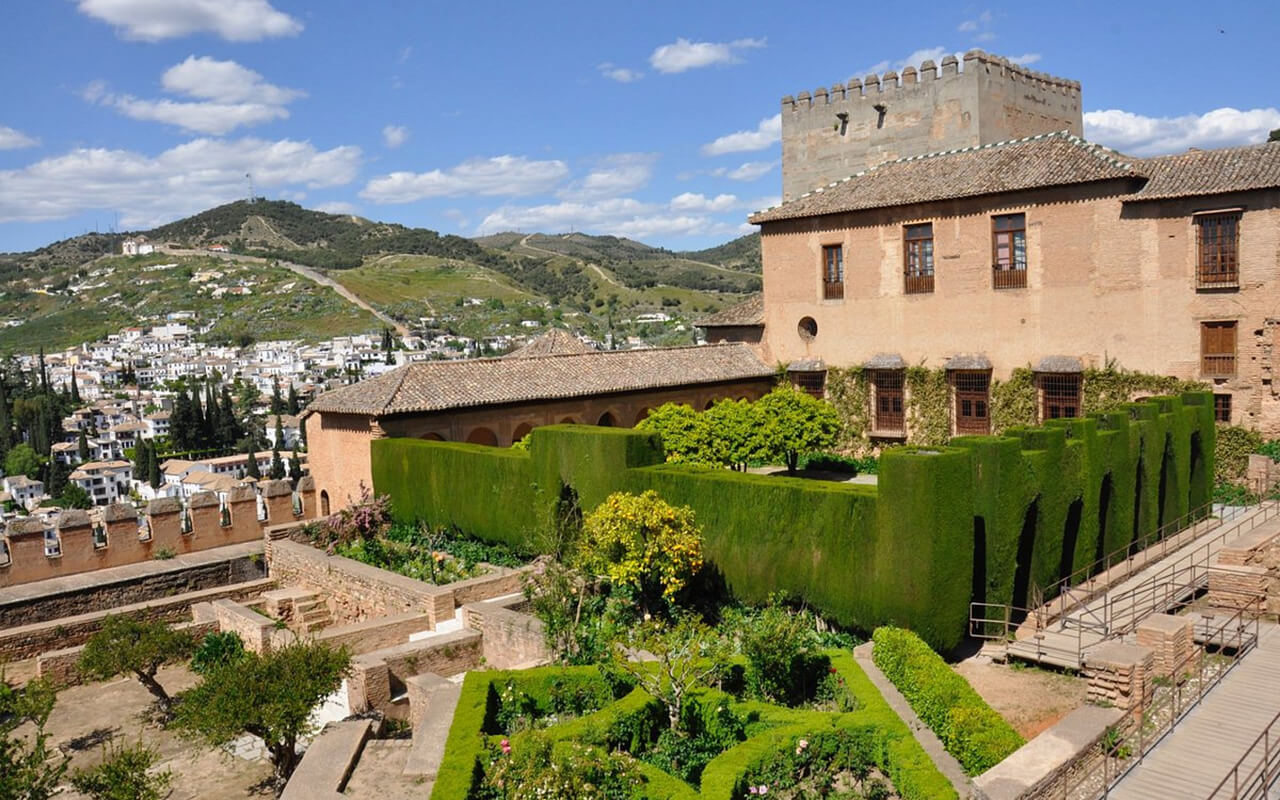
[
  {"x": 1206, "y": 744},
  {"x": 944, "y": 761}
]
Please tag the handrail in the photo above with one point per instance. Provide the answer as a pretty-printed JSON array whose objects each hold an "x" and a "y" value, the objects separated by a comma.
[{"x": 1258, "y": 780}]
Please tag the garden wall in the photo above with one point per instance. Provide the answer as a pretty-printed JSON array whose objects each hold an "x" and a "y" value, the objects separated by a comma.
[{"x": 986, "y": 518}]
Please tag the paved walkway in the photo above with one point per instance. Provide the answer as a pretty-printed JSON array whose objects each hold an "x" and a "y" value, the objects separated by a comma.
[
  {"x": 1160, "y": 586},
  {"x": 944, "y": 761},
  {"x": 1205, "y": 745}
]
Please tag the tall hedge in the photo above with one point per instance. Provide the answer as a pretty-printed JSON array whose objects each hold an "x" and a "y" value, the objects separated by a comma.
[
  {"x": 971, "y": 730},
  {"x": 987, "y": 518}
]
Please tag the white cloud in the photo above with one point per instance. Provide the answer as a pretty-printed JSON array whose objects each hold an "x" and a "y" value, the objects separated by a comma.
[
  {"x": 1146, "y": 136},
  {"x": 913, "y": 59},
  {"x": 1025, "y": 59},
  {"x": 968, "y": 26},
  {"x": 337, "y": 207},
  {"x": 768, "y": 132},
  {"x": 622, "y": 216},
  {"x": 395, "y": 135},
  {"x": 614, "y": 176},
  {"x": 689, "y": 201},
  {"x": 749, "y": 171},
  {"x": 154, "y": 20},
  {"x": 500, "y": 175},
  {"x": 981, "y": 23},
  {"x": 405, "y": 52},
  {"x": 228, "y": 96},
  {"x": 11, "y": 139},
  {"x": 619, "y": 74},
  {"x": 684, "y": 55},
  {"x": 148, "y": 190}
]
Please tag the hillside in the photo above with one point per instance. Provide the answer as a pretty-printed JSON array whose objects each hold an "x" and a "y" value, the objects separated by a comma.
[{"x": 74, "y": 290}]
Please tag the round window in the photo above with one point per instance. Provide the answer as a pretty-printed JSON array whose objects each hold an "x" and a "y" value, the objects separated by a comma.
[{"x": 808, "y": 328}]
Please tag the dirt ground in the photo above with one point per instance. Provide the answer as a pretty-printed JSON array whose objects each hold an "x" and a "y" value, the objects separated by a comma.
[
  {"x": 1030, "y": 699},
  {"x": 85, "y": 717}
]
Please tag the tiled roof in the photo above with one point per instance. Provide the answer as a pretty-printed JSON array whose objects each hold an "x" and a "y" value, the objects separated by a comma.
[
  {"x": 749, "y": 313},
  {"x": 554, "y": 342},
  {"x": 1051, "y": 159},
  {"x": 1201, "y": 172},
  {"x": 442, "y": 385}
]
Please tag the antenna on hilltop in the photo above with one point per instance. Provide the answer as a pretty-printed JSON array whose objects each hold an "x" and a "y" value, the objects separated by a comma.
[{"x": 249, "y": 177}]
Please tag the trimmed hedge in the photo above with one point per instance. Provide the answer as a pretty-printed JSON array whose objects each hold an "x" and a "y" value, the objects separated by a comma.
[
  {"x": 970, "y": 729},
  {"x": 635, "y": 720},
  {"x": 984, "y": 519}
]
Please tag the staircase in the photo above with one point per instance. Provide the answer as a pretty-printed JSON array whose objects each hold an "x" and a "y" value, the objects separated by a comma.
[{"x": 305, "y": 611}]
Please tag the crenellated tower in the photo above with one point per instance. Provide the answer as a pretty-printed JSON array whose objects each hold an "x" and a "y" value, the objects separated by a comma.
[{"x": 837, "y": 132}]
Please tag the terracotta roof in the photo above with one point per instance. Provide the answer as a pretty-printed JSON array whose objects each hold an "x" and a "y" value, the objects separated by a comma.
[
  {"x": 554, "y": 342},
  {"x": 442, "y": 385},
  {"x": 1200, "y": 172},
  {"x": 749, "y": 313},
  {"x": 1050, "y": 159}
]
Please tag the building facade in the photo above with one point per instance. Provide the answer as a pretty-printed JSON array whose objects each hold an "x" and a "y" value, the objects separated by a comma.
[{"x": 1047, "y": 252}]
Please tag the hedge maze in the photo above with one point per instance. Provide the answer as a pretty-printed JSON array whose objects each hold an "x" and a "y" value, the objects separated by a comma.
[{"x": 985, "y": 518}]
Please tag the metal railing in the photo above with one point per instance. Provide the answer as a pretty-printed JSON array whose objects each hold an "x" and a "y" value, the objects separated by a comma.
[
  {"x": 1131, "y": 739},
  {"x": 1256, "y": 781},
  {"x": 917, "y": 284},
  {"x": 833, "y": 290},
  {"x": 1009, "y": 277}
]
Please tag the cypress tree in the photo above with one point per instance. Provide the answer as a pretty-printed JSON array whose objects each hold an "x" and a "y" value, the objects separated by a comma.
[
  {"x": 277, "y": 403},
  {"x": 75, "y": 388},
  {"x": 251, "y": 468},
  {"x": 180, "y": 423},
  {"x": 153, "y": 469},
  {"x": 211, "y": 419},
  {"x": 229, "y": 431},
  {"x": 82, "y": 448},
  {"x": 197, "y": 421},
  {"x": 44, "y": 374},
  {"x": 277, "y": 465},
  {"x": 279, "y": 433},
  {"x": 6, "y": 422},
  {"x": 293, "y": 400},
  {"x": 295, "y": 469}
]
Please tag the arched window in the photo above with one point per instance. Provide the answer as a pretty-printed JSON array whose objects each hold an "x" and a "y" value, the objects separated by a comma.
[
  {"x": 483, "y": 436},
  {"x": 607, "y": 420},
  {"x": 433, "y": 437},
  {"x": 642, "y": 415},
  {"x": 521, "y": 431},
  {"x": 324, "y": 504}
]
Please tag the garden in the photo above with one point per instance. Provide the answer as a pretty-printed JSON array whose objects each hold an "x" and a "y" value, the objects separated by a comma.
[{"x": 663, "y": 686}]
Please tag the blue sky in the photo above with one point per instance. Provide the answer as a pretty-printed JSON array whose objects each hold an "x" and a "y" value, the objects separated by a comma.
[{"x": 651, "y": 120}]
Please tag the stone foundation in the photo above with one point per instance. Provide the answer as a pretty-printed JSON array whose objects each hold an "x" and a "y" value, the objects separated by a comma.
[
  {"x": 1171, "y": 641},
  {"x": 1120, "y": 675}
]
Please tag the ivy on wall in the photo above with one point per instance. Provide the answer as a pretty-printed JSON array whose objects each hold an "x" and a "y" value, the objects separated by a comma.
[
  {"x": 928, "y": 406},
  {"x": 1109, "y": 388},
  {"x": 848, "y": 389},
  {"x": 1232, "y": 452},
  {"x": 1014, "y": 402}
]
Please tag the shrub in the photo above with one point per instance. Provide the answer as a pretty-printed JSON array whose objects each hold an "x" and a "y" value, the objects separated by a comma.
[
  {"x": 140, "y": 647},
  {"x": 217, "y": 650},
  {"x": 366, "y": 518},
  {"x": 971, "y": 731},
  {"x": 783, "y": 662},
  {"x": 793, "y": 422},
  {"x": 708, "y": 727},
  {"x": 808, "y": 765},
  {"x": 124, "y": 775},
  {"x": 540, "y": 769}
]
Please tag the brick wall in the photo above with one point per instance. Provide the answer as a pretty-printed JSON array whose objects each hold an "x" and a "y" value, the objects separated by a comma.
[
  {"x": 511, "y": 638},
  {"x": 370, "y": 684}
]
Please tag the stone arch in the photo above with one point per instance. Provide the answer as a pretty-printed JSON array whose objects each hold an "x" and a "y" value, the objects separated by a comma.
[
  {"x": 484, "y": 436},
  {"x": 432, "y": 437},
  {"x": 324, "y": 503},
  {"x": 607, "y": 420},
  {"x": 642, "y": 415},
  {"x": 521, "y": 431},
  {"x": 568, "y": 421},
  {"x": 709, "y": 404}
]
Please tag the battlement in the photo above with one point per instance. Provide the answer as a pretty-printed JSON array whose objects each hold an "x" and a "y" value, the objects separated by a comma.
[
  {"x": 834, "y": 132},
  {"x": 32, "y": 549}
]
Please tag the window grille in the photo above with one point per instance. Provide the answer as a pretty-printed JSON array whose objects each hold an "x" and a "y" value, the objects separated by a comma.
[
  {"x": 1222, "y": 408},
  {"x": 1009, "y": 251},
  {"x": 833, "y": 272},
  {"x": 814, "y": 383},
  {"x": 887, "y": 385},
  {"x": 1217, "y": 251},
  {"x": 1059, "y": 395},
  {"x": 972, "y": 401},
  {"x": 918, "y": 249}
]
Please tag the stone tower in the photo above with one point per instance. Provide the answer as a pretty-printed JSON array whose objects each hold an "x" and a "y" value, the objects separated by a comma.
[{"x": 835, "y": 133}]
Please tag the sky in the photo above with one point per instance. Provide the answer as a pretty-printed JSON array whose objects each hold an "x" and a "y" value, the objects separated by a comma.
[{"x": 652, "y": 120}]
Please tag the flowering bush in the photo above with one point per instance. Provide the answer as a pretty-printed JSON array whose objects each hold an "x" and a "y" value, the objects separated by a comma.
[
  {"x": 537, "y": 769},
  {"x": 833, "y": 763},
  {"x": 367, "y": 518}
]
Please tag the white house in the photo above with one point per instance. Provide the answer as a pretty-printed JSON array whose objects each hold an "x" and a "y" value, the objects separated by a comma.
[
  {"x": 137, "y": 246},
  {"x": 24, "y": 491},
  {"x": 106, "y": 481}
]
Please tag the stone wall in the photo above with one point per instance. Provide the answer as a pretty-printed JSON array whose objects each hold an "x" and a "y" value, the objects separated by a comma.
[
  {"x": 116, "y": 535},
  {"x": 1247, "y": 572},
  {"x": 62, "y": 666},
  {"x": 512, "y": 639},
  {"x": 1120, "y": 675},
  {"x": 375, "y": 634},
  {"x": 374, "y": 674},
  {"x": 138, "y": 583},
  {"x": 26, "y": 641}
]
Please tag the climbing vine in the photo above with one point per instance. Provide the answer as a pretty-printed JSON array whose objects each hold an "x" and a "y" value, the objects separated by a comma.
[
  {"x": 1109, "y": 388},
  {"x": 849, "y": 391},
  {"x": 1231, "y": 455},
  {"x": 928, "y": 406},
  {"x": 1015, "y": 401}
]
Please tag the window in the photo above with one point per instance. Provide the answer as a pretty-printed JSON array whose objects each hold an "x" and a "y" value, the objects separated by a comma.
[
  {"x": 832, "y": 272},
  {"x": 814, "y": 383},
  {"x": 807, "y": 328},
  {"x": 1222, "y": 408},
  {"x": 972, "y": 390},
  {"x": 1218, "y": 349},
  {"x": 1009, "y": 251},
  {"x": 886, "y": 384},
  {"x": 919, "y": 258},
  {"x": 1059, "y": 395},
  {"x": 1217, "y": 246}
]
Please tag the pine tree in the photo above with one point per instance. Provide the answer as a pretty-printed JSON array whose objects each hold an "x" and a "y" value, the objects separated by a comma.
[
  {"x": 75, "y": 389},
  {"x": 82, "y": 448},
  {"x": 277, "y": 465},
  {"x": 251, "y": 468},
  {"x": 293, "y": 400}
]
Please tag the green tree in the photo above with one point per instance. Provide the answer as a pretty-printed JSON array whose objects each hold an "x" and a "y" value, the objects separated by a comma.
[
  {"x": 23, "y": 460},
  {"x": 75, "y": 388},
  {"x": 128, "y": 645},
  {"x": 82, "y": 446},
  {"x": 73, "y": 496},
  {"x": 217, "y": 650},
  {"x": 230, "y": 430},
  {"x": 277, "y": 465},
  {"x": 153, "y": 468},
  {"x": 684, "y": 432},
  {"x": 733, "y": 433},
  {"x": 124, "y": 774},
  {"x": 793, "y": 423},
  {"x": 277, "y": 402},
  {"x": 30, "y": 769},
  {"x": 643, "y": 545},
  {"x": 292, "y": 402},
  {"x": 270, "y": 696},
  {"x": 251, "y": 462},
  {"x": 687, "y": 655}
]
